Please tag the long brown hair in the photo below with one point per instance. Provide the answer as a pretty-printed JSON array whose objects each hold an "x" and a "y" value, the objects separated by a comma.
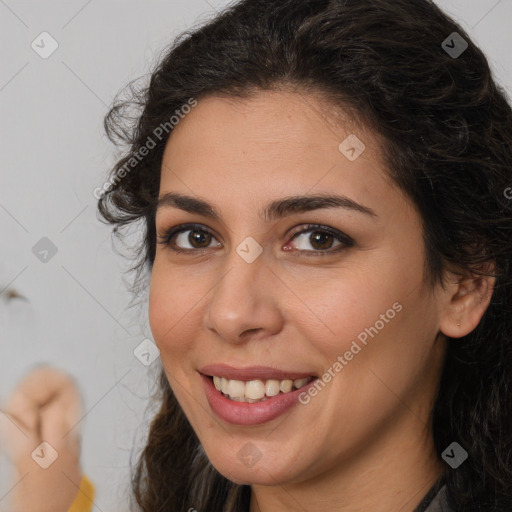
[{"x": 446, "y": 127}]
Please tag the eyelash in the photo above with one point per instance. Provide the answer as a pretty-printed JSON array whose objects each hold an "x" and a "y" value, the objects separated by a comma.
[{"x": 346, "y": 241}]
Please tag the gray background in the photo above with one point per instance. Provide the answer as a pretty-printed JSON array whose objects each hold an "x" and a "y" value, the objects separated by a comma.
[{"x": 53, "y": 154}]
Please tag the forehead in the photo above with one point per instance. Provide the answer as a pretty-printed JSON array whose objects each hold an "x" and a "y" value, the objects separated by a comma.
[
  {"x": 277, "y": 120},
  {"x": 272, "y": 144}
]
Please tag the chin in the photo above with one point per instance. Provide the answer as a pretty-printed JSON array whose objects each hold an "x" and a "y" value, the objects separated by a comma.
[{"x": 247, "y": 466}]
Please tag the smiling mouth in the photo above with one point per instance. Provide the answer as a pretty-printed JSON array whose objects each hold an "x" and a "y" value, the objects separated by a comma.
[{"x": 254, "y": 391}]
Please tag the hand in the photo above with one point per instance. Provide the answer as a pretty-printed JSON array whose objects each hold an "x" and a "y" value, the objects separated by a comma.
[{"x": 45, "y": 407}]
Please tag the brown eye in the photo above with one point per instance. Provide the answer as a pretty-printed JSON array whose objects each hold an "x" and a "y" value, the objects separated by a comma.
[
  {"x": 187, "y": 238},
  {"x": 199, "y": 237},
  {"x": 321, "y": 240}
]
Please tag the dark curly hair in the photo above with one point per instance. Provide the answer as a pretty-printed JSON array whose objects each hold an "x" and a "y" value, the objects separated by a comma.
[{"x": 446, "y": 131}]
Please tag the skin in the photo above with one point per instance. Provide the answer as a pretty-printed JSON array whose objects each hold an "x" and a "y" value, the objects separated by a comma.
[
  {"x": 45, "y": 406},
  {"x": 364, "y": 442}
]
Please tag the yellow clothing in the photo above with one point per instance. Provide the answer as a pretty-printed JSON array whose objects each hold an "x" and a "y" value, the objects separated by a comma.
[{"x": 84, "y": 498}]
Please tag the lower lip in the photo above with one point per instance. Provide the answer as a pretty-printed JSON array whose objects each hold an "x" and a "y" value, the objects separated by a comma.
[{"x": 244, "y": 413}]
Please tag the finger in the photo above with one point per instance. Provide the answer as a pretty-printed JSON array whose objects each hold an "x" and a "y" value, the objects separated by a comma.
[
  {"x": 45, "y": 406},
  {"x": 15, "y": 440},
  {"x": 40, "y": 388},
  {"x": 60, "y": 420},
  {"x": 20, "y": 411},
  {"x": 43, "y": 384}
]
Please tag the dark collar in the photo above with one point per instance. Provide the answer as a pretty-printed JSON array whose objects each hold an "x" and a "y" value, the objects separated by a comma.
[{"x": 435, "y": 499}]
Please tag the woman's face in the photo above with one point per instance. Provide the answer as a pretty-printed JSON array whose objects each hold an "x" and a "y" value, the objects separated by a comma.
[{"x": 263, "y": 297}]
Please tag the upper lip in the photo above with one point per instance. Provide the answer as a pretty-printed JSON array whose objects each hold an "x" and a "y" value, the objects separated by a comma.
[{"x": 251, "y": 372}]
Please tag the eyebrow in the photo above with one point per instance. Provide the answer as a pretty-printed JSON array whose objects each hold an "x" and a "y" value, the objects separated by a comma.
[{"x": 274, "y": 210}]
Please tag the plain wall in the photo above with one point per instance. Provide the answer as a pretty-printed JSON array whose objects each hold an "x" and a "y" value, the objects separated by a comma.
[{"x": 53, "y": 154}]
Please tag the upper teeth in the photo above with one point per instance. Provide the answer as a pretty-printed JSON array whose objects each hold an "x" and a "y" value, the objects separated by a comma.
[{"x": 255, "y": 390}]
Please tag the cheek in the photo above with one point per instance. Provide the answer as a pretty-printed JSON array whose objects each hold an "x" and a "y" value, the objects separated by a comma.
[
  {"x": 375, "y": 311},
  {"x": 171, "y": 311},
  {"x": 157, "y": 305},
  {"x": 346, "y": 307},
  {"x": 386, "y": 336}
]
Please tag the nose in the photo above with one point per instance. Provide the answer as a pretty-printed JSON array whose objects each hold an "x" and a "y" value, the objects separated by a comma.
[{"x": 244, "y": 302}]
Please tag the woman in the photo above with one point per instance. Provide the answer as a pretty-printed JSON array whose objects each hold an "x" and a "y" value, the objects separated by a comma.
[
  {"x": 320, "y": 186},
  {"x": 339, "y": 337}
]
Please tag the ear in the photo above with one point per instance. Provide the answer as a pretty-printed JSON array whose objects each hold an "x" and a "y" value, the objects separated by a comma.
[{"x": 466, "y": 300}]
